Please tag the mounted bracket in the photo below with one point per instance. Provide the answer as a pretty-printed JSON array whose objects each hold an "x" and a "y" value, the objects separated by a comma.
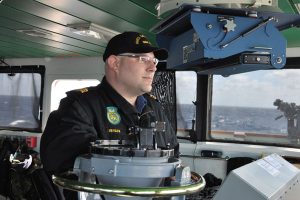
[
  {"x": 197, "y": 36},
  {"x": 167, "y": 5}
]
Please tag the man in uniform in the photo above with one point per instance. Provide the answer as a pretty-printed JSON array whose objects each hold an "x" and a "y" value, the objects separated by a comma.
[{"x": 108, "y": 110}]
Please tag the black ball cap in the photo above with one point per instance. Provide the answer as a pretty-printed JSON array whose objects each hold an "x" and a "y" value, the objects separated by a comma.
[{"x": 132, "y": 42}]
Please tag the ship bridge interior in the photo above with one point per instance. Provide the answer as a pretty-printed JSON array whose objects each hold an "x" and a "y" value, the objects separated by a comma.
[{"x": 229, "y": 88}]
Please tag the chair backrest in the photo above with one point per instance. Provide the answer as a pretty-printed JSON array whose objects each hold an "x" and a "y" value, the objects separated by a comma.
[
  {"x": 237, "y": 162},
  {"x": 44, "y": 185}
]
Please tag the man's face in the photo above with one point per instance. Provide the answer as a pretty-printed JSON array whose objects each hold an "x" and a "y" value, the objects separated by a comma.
[{"x": 136, "y": 73}]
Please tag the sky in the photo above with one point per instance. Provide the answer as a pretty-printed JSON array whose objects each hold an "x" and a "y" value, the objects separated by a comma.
[
  {"x": 254, "y": 89},
  {"x": 20, "y": 83},
  {"x": 186, "y": 85}
]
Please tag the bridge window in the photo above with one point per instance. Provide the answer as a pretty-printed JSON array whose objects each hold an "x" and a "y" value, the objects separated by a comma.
[
  {"x": 21, "y": 89},
  {"x": 259, "y": 107},
  {"x": 186, "y": 84},
  {"x": 61, "y": 86}
]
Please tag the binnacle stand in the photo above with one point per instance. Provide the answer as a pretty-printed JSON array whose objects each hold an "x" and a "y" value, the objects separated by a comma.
[{"x": 119, "y": 172}]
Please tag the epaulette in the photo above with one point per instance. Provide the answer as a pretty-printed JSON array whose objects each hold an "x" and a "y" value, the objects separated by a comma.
[
  {"x": 152, "y": 96},
  {"x": 83, "y": 90},
  {"x": 76, "y": 92}
]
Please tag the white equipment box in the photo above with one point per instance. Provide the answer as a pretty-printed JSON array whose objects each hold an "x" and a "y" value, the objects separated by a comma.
[{"x": 269, "y": 178}]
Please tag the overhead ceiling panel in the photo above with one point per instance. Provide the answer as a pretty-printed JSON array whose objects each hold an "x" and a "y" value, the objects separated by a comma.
[{"x": 52, "y": 17}]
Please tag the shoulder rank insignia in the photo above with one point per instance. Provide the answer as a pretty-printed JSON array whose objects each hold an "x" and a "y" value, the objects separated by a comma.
[
  {"x": 112, "y": 115},
  {"x": 152, "y": 96},
  {"x": 83, "y": 90}
]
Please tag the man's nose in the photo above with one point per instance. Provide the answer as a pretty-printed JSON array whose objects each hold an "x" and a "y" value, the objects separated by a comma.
[{"x": 152, "y": 66}]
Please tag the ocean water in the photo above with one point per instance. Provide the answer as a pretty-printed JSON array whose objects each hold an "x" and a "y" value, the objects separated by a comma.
[
  {"x": 244, "y": 119},
  {"x": 185, "y": 114},
  {"x": 259, "y": 120},
  {"x": 21, "y": 112}
]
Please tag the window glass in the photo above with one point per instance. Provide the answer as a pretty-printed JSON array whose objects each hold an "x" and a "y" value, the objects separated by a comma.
[
  {"x": 261, "y": 106},
  {"x": 186, "y": 84},
  {"x": 20, "y": 101},
  {"x": 61, "y": 86}
]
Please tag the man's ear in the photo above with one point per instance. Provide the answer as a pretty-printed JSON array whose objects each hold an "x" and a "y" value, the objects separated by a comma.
[{"x": 113, "y": 62}]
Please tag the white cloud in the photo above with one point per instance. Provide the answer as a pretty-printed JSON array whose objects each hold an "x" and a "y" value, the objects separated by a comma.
[
  {"x": 186, "y": 83},
  {"x": 257, "y": 89}
]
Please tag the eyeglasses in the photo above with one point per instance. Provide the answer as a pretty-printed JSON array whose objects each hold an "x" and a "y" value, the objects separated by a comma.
[{"x": 142, "y": 59}]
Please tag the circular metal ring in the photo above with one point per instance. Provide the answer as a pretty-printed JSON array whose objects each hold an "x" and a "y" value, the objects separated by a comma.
[{"x": 197, "y": 184}]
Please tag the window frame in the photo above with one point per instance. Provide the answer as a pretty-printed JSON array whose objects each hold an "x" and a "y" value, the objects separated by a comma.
[
  {"x": 68, "y": 79},
  {"x": 292, "y": 63}
]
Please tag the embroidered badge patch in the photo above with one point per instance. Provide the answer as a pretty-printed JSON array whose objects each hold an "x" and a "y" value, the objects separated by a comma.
[{"x": 112, "y": 115}]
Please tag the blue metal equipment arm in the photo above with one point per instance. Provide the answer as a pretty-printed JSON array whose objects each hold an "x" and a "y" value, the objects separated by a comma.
[{"x": 197, "y": 36}]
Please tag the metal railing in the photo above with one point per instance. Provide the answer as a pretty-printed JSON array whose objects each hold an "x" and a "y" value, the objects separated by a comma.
[{"x": 197, "y": 184}]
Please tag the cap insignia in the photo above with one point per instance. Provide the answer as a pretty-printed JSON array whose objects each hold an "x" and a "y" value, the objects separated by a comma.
[{"x": 142, "y": 39}]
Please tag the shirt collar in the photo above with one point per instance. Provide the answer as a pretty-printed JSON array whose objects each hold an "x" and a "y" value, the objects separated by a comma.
[
  {"x": 121, "y": 102},
  {"x": 141, "y": 102}
]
